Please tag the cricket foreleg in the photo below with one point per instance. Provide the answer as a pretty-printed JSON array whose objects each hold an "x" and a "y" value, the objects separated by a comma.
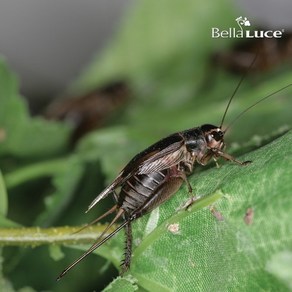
[{"x": 226, "y": 156}]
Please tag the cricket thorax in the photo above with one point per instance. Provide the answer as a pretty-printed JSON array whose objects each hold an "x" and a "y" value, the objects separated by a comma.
[{"x": 195, "y": 141}]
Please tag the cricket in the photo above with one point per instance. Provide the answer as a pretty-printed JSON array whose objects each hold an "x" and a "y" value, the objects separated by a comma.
[{"x": 154, "y": 175}]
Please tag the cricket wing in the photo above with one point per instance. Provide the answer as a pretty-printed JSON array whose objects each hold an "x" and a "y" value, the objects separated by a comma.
[
  {"x": 163, "y": 154},
  {"x": 166, "y": 158}
]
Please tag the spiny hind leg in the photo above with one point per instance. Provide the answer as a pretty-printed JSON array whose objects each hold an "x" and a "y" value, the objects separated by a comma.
[
  {"x": 128, "y": 249},
  {"x": 126, "y": 262}
]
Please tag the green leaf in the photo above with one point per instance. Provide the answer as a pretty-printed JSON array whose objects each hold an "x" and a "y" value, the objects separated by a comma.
[
  {"x": 103, "y": 144},
  {"x": 125, "y": 284},
  {"x": 56, "y": 252},
  {"x": 65, "y": 182},
  {"x": 25, "y": 136},
  {"x": 280, "y": 266},
  {"x": 3, "y": 197},
  {"x": 26, "y": 289},
  {"x": 7, "y": 223},
  {"x": 5, "y": 285},
  {"x": 35, "y": 170}
]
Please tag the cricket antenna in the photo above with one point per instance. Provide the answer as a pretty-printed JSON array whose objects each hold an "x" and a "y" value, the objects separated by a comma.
[
  {"x": 254, "y": 104},
  {"x": 236, "y": 89}
]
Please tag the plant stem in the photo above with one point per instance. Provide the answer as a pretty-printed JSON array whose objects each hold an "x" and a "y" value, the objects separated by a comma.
[{"x": 35, "y": 236}]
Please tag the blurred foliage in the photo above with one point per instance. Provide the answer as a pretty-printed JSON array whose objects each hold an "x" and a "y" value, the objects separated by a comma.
[
  {"x": 25, "y": 137},
  {"x": 162, "y": 50}
]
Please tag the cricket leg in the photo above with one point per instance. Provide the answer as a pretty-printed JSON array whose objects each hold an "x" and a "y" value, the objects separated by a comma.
[
  {"x": 226, "y": 156},
  {"x": 193, "y": 197},
  {"x": 128, "y": 249}
]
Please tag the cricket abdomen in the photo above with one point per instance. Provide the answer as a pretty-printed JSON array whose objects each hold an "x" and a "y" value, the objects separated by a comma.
[
  {"x": 142, "y": 193},
  {"x": 139, "y": 189}
]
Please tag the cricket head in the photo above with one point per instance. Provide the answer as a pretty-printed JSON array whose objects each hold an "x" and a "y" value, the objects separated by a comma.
[{"x": 214, "y": 136}]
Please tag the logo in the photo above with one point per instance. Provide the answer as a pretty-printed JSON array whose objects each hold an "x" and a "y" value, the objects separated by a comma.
[
  {"x": 243, "y": 31},
  {"x": 242, "y": 21}
]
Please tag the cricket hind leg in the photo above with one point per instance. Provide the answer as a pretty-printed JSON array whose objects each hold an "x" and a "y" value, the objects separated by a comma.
[
  {"x": 126, "y": 262},
  {"x": 125, "y": 265}
]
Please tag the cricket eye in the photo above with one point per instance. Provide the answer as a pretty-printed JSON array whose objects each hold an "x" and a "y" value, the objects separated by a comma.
[{"x": 217, "y": 135}]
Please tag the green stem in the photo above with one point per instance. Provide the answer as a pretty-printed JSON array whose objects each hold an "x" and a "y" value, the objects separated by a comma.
[
  {"x": 35, "y": 236},
  {"x": 47, "y": 168}
]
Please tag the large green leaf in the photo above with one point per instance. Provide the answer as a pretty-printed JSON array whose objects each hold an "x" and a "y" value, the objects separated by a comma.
[{"x": 207, "y": 254}]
